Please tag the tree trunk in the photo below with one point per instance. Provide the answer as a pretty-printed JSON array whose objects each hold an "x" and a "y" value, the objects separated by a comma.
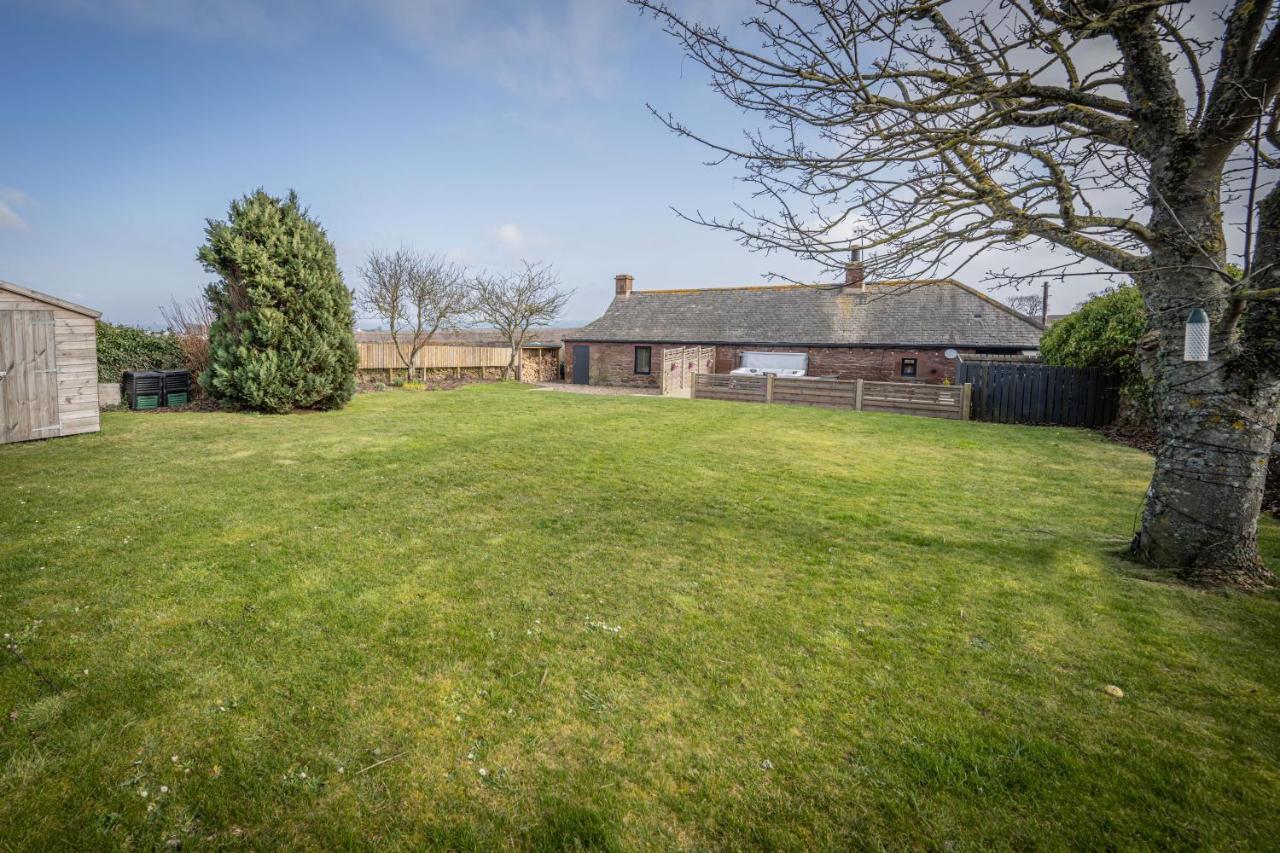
[
  {"x": 1215, "y": 420},
  {"x": 1206, "y": 493},
  {"x": 413, "y": 356}
]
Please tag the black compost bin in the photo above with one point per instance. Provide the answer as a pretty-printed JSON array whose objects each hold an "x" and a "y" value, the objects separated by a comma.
[
  {"x": 177, "y": 387},
  {"x": 143, "y": 388}
]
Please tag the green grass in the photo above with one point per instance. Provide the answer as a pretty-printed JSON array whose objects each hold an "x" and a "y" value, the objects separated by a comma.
[{"x": 506, "y": 617}]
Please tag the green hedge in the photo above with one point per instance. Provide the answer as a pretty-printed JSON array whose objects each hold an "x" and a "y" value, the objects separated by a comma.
[{"x": 122, "y": 348}]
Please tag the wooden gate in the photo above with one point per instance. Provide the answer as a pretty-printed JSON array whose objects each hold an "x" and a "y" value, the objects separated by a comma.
[
  {"x": 1041, "y": 394},
  {"x": 681, "y": 364},
  {"x": 28, "y": 376}
]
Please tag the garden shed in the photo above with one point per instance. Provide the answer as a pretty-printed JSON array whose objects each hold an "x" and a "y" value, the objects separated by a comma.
[{"x": 48, "y": 366}]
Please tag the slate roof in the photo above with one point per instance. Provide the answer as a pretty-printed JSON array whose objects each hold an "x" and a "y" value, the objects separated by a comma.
[{"x": 939, "y": 312}]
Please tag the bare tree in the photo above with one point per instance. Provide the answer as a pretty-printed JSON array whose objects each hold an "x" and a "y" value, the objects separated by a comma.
[
  {"x": 189, "y": 322},
  {"x": 515, "y": 303},
  {"x": 1030, "y": 304},
  {"x": 417, "y": 297},
  {"x": 1112, "y": 130}
]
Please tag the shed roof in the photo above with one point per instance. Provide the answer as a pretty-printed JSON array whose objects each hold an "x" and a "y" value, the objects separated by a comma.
[
  {"x": 51, "y": 300},
  {"x": 935, "y": 312}
]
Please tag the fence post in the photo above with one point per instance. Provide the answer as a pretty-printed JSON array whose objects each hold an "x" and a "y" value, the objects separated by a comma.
[
  {"x": 693, "y": 388},
  {"x": 966, "y": 397},
  {"x": 768, "y": 387},
  {"x": 857, "y": 396}
]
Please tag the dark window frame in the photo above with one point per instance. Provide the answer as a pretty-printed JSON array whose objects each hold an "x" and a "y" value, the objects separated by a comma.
[
  {"x": 635, "y": 361},
  {"x": 915, "y": 368}
]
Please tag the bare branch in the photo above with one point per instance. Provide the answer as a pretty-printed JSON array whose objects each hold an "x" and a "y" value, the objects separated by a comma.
[
  {"x": 517, "y": 302},
  {"x": 416, "y": 296}
]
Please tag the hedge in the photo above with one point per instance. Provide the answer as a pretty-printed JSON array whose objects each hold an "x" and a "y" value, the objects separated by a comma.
[{"x": 122, "y": 348}]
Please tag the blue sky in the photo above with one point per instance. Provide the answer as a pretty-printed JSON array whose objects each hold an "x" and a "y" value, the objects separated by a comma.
[{"x": 489, "y": 131}]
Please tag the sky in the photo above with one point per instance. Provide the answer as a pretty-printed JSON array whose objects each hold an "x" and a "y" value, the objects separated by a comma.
[{"x": 491, "y": 132}]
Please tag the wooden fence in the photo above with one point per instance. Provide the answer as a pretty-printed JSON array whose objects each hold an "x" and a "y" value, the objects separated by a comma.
[
  {"x": 1041, "y": 394},
  {"x": 721, "y": 386},
  {"x": 910, "y": 398},
  {"x": 382, "y": 356}
]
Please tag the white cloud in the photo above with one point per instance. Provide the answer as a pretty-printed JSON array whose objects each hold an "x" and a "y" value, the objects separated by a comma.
[
  {"x": 10, "y": 199},
  {"x": 511, "y": 236},
  {"x": 258, "y": 21},
  {"x": 841, "y": 226},
  {"x": 549, "y": 49},
  {"x": 9, "y": 218},
  {"x": 13, "y": 195},
  {"x": 517, "y": 242}
]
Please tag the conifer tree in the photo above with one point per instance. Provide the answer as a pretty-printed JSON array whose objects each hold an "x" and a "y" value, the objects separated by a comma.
[{"x": 282, "y": 332}]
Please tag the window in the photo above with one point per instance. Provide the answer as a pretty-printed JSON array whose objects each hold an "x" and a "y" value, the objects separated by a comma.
[
  {"x": 644, "y": 359},
  {"x": 908, "y": 367}
]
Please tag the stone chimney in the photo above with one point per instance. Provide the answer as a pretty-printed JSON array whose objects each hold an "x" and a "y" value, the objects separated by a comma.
[
  {"x": 854, "y": 274},
  {"x": 622, "y": 285}
]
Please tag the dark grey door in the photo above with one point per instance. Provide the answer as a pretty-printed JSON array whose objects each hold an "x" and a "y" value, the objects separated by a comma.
[{"x": 581, "y": 365}]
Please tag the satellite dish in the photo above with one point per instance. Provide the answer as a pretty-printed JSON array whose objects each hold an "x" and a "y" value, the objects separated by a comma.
[{"x": 950, "y": 353}]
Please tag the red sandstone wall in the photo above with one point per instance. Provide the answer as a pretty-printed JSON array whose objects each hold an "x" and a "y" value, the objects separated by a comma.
[{"x": 613, "y": 364}]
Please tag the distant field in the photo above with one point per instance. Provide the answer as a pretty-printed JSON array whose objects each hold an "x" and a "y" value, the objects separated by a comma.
[{"x": 503, "y": 617}]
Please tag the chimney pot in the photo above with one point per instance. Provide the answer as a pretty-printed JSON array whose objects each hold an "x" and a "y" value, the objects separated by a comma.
[
  {"x": 622, "y": 284},
  {"x": 854, "y": 274}
]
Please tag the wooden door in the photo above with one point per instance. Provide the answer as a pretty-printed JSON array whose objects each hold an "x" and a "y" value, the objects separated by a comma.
[{"x": 28, "y": 376}]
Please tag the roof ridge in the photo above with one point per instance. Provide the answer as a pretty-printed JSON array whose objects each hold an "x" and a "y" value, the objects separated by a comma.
[
  {"x": 735, "y": 287},
  {"x": 819, "y": 285},
  {"x": 50, "y": 299}
]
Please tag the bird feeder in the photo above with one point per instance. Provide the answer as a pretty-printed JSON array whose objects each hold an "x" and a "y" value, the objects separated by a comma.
[{"x": 1195, "y": 346}]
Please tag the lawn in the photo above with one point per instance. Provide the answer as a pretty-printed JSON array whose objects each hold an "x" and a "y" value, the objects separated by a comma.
[{"x": 498, "y": 616}]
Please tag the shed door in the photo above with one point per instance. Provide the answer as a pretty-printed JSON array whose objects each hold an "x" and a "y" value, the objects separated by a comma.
[
  {"x": 28, "y": 376},
  {"x": 581, "y": 364}
]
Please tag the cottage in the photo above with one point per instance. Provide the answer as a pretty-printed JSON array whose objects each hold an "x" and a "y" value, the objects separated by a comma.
[
  {"x": 885, "y": 331},
  {"x": 48, "y": 366}
]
